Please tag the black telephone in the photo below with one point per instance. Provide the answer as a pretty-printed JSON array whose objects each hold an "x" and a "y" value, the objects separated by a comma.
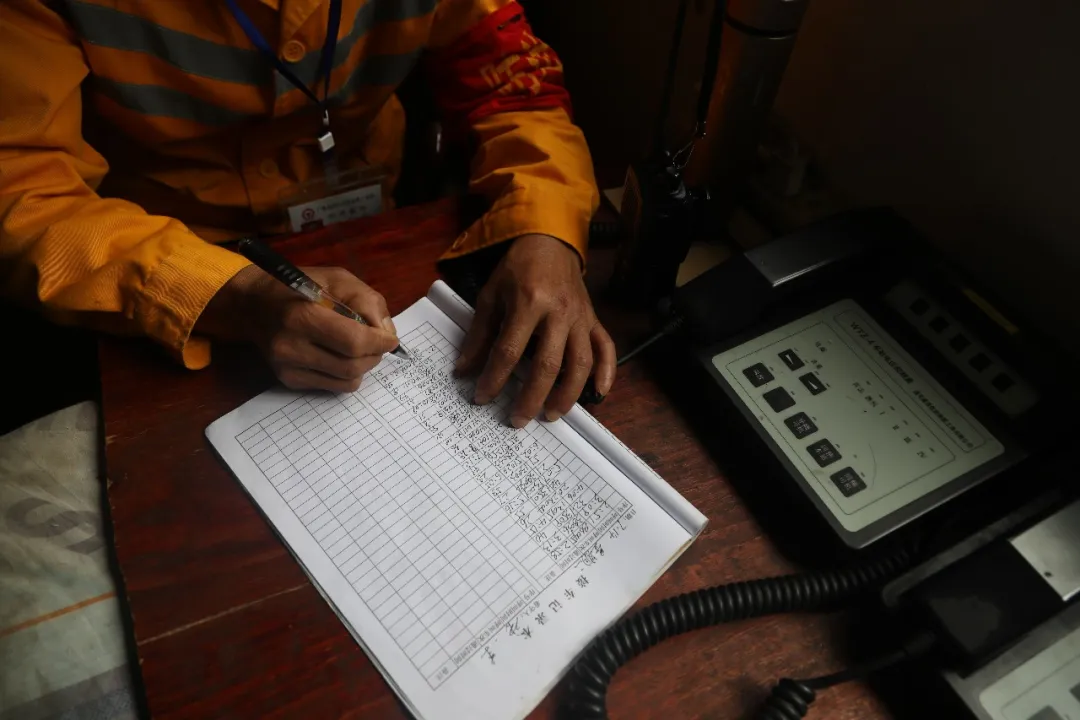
[
  {"x": 878, "y": 383},
  {"x": 883, "y": 417}
]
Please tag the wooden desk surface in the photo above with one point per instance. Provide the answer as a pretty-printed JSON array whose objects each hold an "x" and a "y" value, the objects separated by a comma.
[{"x": 227, "y": 625}]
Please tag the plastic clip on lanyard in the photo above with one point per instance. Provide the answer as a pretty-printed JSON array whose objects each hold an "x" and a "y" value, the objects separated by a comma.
[{"x": 326, "y": 64}]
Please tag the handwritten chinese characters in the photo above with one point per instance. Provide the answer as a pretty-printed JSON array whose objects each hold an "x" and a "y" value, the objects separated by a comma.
[{"x": 448, "y": 524}]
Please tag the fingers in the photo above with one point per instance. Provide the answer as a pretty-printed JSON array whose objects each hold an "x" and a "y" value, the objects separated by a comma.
[
  {"x": 337, "y": 333},
  {"x": 315, "y": 348},
  {"x": 604, "y": 351},
  {"x": 302, "y": 353},
  {"x": 311, "y": 346},
  {"x": 505, "y": 354},
  {"x": 577, "y": 364},
  {"x": 546, "y": 364},
  {"x": 359, "y": 296},
  {"x": 481, "y": 334}
]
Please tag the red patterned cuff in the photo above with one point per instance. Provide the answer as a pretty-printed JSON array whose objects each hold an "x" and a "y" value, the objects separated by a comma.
[{"x": 497, "y": 66}]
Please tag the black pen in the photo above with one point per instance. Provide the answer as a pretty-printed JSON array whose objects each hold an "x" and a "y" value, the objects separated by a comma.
[{"x": 288, "y": 274}]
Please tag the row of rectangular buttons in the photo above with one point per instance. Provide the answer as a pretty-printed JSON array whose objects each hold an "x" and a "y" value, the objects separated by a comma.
[
  {"x": 960, "y": 342},
  {"x": 847, "y": 481}
]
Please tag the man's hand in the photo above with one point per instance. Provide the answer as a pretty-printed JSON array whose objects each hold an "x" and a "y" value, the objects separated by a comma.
[
  {"x": 308, "y": 346},
  {"x": 538, "y": 289}
]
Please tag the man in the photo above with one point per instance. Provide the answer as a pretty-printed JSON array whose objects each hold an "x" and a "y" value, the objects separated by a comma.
[{"x": 206, "y": 113}]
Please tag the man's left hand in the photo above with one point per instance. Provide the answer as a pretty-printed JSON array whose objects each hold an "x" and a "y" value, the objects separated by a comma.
[{"x": 538, "y": 289}]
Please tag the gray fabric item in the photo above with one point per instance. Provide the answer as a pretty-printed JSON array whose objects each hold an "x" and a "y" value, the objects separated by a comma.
[
  {"x": 104, "y": 697},
  {"x": 62, "y": 650}
]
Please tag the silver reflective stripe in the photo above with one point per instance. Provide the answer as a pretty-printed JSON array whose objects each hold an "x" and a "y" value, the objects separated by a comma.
[
  {"x": 369, "y": 14},
  {"x": 110, "y": 28},
  {"x": 166, "y": 102},
  {"x": 378, "y": 70},
  {"x": 106, "y": 27}
]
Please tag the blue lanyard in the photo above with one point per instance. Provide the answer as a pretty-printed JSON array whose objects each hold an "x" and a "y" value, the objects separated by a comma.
[{"x": 326, "y": 64}]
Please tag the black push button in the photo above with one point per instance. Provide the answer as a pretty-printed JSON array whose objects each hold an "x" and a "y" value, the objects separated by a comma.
[
  {"x": 920, "y": 306},
  {"x": 800, "y": 425},
  {"x": 778, "y": 399},
  {"x": 1002, "y": 382},
  {"x": 793, "y": 361},
  {"x": 824, "y": 452},
  {"x": 758, "y": 375},
  {"x": 959, "y": 343},
  {"x": 979, "y": 361},
  {"x": 938, "y": 324},
  {"x": 813, "y": 383},
  {"x": 847, "y": 481}
]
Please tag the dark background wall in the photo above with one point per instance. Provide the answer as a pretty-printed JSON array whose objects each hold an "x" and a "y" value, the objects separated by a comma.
[{"x": 964, "y": 115}]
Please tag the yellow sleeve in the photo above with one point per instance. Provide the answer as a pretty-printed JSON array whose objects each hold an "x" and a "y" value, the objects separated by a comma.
[
  {"x": 496, "y": 82},
  {"x": 77, "y": 257}
]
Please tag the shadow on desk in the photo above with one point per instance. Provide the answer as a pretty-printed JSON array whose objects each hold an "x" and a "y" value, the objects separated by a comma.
[{"x": 57, "y": 365}]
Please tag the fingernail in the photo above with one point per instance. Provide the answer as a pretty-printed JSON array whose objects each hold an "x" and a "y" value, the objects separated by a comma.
[
  {"x": 460, "y": 364},
  {"x": 605, "y": 387},
  {"x": 519, "y": 421},
  {"x": 481, "y": 398},
  {"x": 389, "y": 325},
  {"x": 552, "y": 415}
]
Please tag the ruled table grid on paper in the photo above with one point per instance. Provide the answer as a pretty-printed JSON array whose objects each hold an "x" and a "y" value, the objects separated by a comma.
[{"x": 444, "y": 521}]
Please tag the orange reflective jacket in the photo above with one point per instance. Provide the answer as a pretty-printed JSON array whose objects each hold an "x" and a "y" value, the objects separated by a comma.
[{"x": 198, "y": 133}]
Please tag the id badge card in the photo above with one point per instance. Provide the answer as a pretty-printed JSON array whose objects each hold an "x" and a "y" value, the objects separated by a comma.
[{"x": 335, "y": 198}]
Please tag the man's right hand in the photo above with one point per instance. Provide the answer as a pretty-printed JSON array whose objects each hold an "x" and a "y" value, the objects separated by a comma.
[{"x": 308, "y": 346}]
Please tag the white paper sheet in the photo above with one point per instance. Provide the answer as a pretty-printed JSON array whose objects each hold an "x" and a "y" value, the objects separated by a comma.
[
  {"x": 471, "y": 561},
  {"x": 596, "y": 434}
]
